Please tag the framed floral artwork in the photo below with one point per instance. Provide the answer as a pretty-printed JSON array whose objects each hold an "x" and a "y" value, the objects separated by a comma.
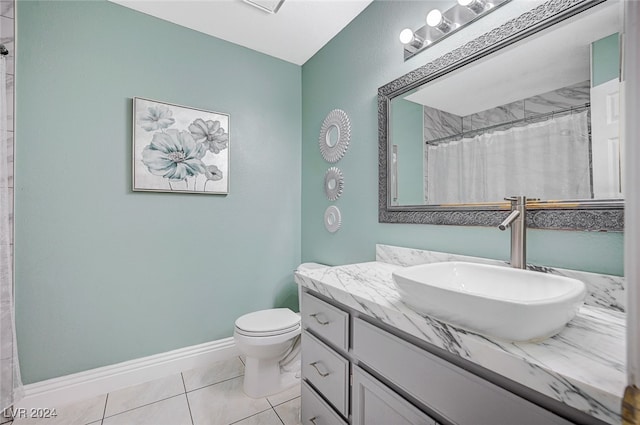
[{"x": 179, "y": 149}]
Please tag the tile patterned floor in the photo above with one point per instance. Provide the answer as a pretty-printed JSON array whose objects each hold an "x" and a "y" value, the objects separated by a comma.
[{"x": 207, "y": 396}]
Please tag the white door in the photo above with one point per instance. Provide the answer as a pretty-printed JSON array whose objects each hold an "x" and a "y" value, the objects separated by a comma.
[{"x": 606, "y": 143}]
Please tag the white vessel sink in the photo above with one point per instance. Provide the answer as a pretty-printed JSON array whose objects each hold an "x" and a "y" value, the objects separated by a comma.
[{"x": 502, "y": 302}]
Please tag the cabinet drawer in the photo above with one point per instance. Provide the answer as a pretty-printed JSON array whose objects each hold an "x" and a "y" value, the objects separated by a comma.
[
  {"x": 327, "y": 371},
  {"x": 375, "y": 404},
  {"x": 454, "y": 393},
  {"x": 326, "y": 321},
  {"x": 314, "y": 411}
]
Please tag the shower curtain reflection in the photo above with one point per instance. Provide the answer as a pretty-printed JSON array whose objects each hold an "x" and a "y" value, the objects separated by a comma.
[{"x": 546, "y": 160}]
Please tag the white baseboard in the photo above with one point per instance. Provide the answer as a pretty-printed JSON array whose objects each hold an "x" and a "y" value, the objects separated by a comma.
[{"x": 78, "y": 386}]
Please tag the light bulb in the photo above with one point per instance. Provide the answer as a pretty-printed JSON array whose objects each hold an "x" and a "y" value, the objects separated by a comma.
[
  {"x": 406, "y": 36},
  {"x": 476, "y": 6},
  {"x": 436, "y": 19}
]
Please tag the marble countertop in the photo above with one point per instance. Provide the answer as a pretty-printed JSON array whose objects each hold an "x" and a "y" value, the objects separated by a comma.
[{"x": 583, "y": 366}]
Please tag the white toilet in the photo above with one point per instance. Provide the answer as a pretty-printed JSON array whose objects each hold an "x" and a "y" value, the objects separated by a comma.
[{"x": 270, "y": 341}]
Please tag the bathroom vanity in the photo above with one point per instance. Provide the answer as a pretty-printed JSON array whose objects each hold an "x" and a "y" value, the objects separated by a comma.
[{"x": 367, "y": 358}]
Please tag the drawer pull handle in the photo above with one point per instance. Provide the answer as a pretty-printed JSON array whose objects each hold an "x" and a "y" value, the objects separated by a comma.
[
  {"x": 322, "y": 322},
  {"x": 323, "y": 374},
  {"x": 313, "y": 420}
]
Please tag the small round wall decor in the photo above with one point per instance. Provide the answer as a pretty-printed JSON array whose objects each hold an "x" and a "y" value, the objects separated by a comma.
[
  {"x": 332, "y": 219},
  {"x": 333, "y": 183},
  {"x": 335, "y": 134}
]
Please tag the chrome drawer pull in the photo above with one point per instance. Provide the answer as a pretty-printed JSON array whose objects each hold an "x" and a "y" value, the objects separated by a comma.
[
  {"x": 324, "y": 375},
  {"x": 315, "y": 316},
  {"x": 313, "y": 420}
]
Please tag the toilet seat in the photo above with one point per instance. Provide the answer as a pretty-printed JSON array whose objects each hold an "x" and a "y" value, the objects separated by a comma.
[{"x": 276, "y": 321}]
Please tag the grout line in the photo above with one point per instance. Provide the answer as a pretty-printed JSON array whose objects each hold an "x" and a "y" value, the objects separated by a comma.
[
  {"x": 274, "y": 411},
  {"x": 187, "y": 397},
  {"x": 211, "y": 385},
  {"x": 286, "y": 401},
  {"x": 104, "y": 411},
  {"x": 255, "y": 414},
  {"x": 143, "y": 405}
]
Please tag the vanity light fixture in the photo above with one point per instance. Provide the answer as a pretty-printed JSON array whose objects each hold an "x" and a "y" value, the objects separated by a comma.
[{"x": 441, "y": 24}]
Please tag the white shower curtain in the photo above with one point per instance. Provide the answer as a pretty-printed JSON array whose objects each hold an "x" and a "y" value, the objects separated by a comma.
[
  {"x": 547, "y": 160},
  {"x": 10, "y": 383}
]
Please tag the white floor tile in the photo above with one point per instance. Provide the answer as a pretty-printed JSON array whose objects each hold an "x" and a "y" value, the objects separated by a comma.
[
  {"x": 216, "y": 372},
  {"x": 142, "y": 394},
  {"x": 172, "y": 411},
  {"x": 289, "y": 412},
  {"x": 80, "y": 413},
  {"x": 223, "y": 403},
  {"x": 267, "y": 417},
  {"x": 286, "y": 395}
]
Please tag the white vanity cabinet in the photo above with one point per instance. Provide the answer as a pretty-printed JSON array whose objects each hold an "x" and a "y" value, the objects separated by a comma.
[{"x": 354, "y": 372}]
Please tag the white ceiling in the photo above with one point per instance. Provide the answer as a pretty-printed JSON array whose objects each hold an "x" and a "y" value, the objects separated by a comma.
[
  {"x": 294, "y": 34},
  {"x": 552, "y": 59}
]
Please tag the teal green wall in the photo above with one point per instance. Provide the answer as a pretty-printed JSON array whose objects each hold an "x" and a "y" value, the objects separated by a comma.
[
  {"x": 605, "y": 59},
  {"x": 346, "y": 74},
  {"x": 103, "y": 274},
  {"x": 406, "y": 130}
]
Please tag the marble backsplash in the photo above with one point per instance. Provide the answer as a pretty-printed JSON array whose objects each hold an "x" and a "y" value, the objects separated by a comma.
[{"x": 604, "y": 291}]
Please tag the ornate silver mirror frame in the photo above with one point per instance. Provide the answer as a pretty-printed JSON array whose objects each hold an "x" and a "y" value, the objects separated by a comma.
[
  {"x": 335, "y": 135},
  {"x": 593, "y": 215}
]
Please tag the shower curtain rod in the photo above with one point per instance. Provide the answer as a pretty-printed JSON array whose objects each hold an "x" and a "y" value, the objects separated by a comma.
[{"x": 536, "y": 117}]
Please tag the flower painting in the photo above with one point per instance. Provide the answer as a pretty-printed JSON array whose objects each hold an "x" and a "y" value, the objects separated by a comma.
[{"x": 179, "y": 149}]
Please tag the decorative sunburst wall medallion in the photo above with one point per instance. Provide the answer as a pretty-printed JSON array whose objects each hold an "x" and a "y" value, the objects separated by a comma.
[
  {"x": 332, "y": 219},
  {"x": 335, "y": 134},
  {"x": 333, "y": 183}
]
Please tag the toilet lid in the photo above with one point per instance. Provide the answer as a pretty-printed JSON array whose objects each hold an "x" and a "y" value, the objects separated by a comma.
[{"x": 268, "y": 321}]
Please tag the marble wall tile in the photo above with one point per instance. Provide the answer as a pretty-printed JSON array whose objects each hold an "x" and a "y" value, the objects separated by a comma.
[
  {"x": 467, "y": 124},
  {"x": 7, "y": 34},
  {"x": 7, "y": 8},
  {"x": 10, "y": 92},
  {"x": 566, "y": 97},
  {"x": 605, "y": 291},
  {"x": 10, "y": 157},
  {"x": 438, "y": 124},
  {"x": 501, "y": 114}
]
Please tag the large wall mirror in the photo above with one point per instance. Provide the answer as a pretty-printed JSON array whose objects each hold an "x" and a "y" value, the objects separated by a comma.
[{"x": 531, "y": 108}]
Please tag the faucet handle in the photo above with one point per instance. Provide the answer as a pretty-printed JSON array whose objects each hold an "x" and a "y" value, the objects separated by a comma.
[{"x": 515, "y": 198}]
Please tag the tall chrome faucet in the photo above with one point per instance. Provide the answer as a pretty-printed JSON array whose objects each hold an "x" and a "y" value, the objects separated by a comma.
[{"x": 517, "y": 220}]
